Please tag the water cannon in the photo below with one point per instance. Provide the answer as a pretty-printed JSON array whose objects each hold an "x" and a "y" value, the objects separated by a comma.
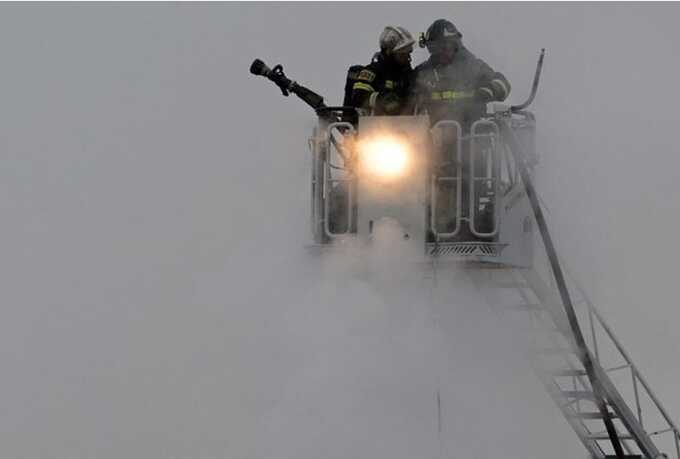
[
  {"x": 258, "y": 67},
  {"x": 287, "y": 86}
]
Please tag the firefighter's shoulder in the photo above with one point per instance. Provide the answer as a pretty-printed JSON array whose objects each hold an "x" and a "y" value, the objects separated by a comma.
[{"x": 367, "y": 74}]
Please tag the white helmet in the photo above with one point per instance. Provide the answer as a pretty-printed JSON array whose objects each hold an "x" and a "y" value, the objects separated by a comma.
[{"x": 394, "y": 39}]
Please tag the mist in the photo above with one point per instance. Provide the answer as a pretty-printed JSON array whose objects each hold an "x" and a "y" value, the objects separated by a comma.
[{"x": 159, "y": 299}]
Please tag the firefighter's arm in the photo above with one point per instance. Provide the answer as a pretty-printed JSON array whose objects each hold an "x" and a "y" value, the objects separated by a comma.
[
  {"x": 365, "y": 95},
  {"x": 492, "y": 85},
  {"x": 363, "y": 89}
]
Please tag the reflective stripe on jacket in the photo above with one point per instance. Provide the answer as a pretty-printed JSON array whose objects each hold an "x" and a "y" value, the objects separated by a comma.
[
  {"x": 457, "y": 90},
  {"x": 378, "y": 79}
]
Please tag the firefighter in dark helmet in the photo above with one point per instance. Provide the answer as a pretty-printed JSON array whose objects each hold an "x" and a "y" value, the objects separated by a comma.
[
  {"x": 453, "y": 83},
  {"x": 382, "y": 87}
]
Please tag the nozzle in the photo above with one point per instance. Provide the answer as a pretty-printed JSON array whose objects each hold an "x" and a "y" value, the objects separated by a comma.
[{"x": 259, "y": 68}]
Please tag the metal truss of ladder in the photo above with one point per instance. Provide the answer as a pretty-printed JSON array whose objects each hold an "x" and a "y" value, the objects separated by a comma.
[
  {"x": 573, "y": 370},
  {"x": 642, "y": 425}
]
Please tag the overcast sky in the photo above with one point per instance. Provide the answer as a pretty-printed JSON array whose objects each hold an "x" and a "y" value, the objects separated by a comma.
[{"x": 158, "y": 299}]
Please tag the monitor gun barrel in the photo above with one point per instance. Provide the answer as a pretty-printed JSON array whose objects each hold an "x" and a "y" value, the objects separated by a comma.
[{"x": 287, "y": 85}]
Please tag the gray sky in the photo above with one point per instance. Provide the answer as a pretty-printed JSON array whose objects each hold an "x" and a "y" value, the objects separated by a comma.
[{"x": 158, "y": 300}]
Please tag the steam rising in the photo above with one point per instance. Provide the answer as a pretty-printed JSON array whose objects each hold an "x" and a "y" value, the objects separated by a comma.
[{"x": 158, "y": 297}]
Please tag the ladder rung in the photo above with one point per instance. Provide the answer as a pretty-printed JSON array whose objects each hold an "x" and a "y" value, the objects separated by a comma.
[
  {"x": 542, "y": 329},
  {"x": 510, "y": 285},
  {"x": 620, "y": 367},
  {"x": 593, "y": 415},
  {"x": 555, "y": 350},
  {"x": 605, "y": 436},
  {"x": 580, "y": 394},
  {"x": 528, "y": 307},
  {"x": 569, "y": 372}
]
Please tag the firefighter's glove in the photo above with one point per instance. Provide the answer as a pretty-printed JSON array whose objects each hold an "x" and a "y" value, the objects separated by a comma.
[
  {"x": 388, "y": 103},
  {"x": 484, "y": 94}
]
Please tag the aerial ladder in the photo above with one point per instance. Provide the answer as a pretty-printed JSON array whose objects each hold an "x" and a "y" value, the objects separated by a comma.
[{"x": 583, "y": 366}]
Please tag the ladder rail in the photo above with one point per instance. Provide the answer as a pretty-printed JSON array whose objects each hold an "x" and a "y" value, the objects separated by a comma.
[
  {"x": 533, "y": 281},
  {"x": 581, "y": 429},
  {"x": 636, "y": 374},
  {"x": 437, "y": 179},
  {"x": 569, "y": 406},
  {"x": 329, "y": 181},
  {"x": 490, "y": 158},
  {"x": 603, "y": 389}
]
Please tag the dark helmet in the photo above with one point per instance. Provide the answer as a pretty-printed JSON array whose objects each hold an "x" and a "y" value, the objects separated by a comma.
[{"x": 438, "y": 33}]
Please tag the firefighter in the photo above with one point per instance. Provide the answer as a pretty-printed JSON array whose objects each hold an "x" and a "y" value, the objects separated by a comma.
[
  {"x": 382, "y": 87},
  {"x": 379, "y": 88},
  {"x": 453, "y": 83}
]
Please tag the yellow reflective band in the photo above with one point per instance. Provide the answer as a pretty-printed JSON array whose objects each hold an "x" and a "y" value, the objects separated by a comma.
[
  {"x": 451, "y": 95},
  {"x": 372, "y": 100},
  {"x": 366, "y": 75},
  {"x": 389, "y": 84},
  {"x": 363, "y": 86}
]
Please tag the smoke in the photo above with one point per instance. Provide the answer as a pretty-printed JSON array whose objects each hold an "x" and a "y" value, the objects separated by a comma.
[
  {"x": 377, "y": 337},
  {"x": 159, "y": 297}
]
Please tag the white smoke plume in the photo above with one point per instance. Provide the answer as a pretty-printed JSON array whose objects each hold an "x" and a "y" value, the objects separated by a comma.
[{"x": 158, "y": 298}]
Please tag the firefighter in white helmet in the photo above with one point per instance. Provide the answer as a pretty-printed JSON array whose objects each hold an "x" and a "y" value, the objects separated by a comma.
[{"x": 382, "y": 87}]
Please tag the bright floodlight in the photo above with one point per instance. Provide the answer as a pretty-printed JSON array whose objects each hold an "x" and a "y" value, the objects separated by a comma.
[{"x": 384, "y": 157}]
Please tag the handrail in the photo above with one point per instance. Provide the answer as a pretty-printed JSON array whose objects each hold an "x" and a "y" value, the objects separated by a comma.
[
  {"x": 534, "y": 86},
  {"x": 557, "y": 274},
  {"x": 636, "y": 373},
  {"x": 495, "y": 177},
  {"x": 457, "y": 180},
  {"x": 328, "y": 182}
]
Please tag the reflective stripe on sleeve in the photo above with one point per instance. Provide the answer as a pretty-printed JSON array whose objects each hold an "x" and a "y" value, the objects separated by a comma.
[
  {"x": 372, "y": 100},
  {"x": 500, "y": 87},
  {"x": 363, "y": 86},
  {"x": 366, "y": 75}
]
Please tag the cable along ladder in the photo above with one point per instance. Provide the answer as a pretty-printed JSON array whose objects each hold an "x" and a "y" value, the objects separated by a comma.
[{"x": 597, "y": 387}]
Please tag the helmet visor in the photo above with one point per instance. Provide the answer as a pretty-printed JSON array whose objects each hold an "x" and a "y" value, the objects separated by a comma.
[
  {"x": 405, "y": 50},
  {"x": 403, "y": 56}
]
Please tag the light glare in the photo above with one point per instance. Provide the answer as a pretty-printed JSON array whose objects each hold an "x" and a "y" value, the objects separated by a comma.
[{"x": 384, "y": 157}]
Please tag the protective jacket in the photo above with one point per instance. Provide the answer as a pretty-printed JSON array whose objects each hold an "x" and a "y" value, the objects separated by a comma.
[
  {"x": 458, "y": 90},
  {"x": 381, "y": 87}
]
